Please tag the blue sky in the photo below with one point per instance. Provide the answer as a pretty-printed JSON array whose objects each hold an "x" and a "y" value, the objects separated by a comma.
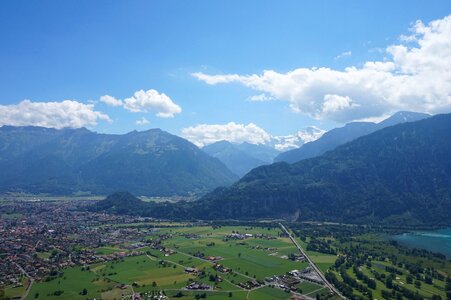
[{"x": 81, "y": 50}]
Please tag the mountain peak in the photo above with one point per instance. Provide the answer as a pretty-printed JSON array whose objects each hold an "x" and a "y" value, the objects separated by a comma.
[
  {"x": 402, "y": 117},
  {"x": 338, "y": 136}
]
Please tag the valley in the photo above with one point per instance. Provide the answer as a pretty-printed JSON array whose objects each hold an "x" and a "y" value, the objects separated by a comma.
[
  {"x": 71, "y": 253},
  {"x": 249, "y": 150}
]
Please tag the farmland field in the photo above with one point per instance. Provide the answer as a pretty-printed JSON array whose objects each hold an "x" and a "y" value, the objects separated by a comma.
[
  {"x": 182, "y": 261},
  {"x": 248, "y": 255}
]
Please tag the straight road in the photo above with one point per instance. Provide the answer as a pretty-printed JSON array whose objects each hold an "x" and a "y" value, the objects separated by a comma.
[{"x": 312, "y": 264}]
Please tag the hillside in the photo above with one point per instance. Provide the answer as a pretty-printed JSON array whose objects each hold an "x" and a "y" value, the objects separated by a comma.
[
  {"x": 153, "y": 163},
  {"x": 339, "y": 136},
  {"x": 400, "y": 175}
]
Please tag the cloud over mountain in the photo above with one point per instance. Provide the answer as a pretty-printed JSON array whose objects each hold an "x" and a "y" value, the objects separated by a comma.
[
  {"x": 145, "y": 101},
  {"x": 205, "y": 134},
  {"x": 415, "y": 75},
  {"x": 67, "y": 113},
  {"x": 143, "y": 121}
]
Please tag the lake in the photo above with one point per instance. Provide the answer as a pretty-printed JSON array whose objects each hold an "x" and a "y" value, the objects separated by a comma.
[{"x": 435, "y": 241}]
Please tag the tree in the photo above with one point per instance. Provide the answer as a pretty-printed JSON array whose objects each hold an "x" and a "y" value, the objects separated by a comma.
[
  {"x": 417, "y": 284},
  {"x": 448, "y": 288},
  {"x": 389, "y": 283},
  {"x": 179, "y": 295}
]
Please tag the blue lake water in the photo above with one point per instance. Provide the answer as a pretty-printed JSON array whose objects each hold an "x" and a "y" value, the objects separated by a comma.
[{"x": 435, "y": 241}]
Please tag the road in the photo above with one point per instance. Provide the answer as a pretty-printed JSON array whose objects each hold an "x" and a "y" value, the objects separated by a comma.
[
  {"x": 31, "y": 279},
  {"x": 312, "y": 264}
]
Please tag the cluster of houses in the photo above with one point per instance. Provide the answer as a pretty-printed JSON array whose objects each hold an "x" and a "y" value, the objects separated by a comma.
[
  {"x": 291, "y": 279},
  {"x": 239, "y": 236},
  {"x": 156, "y": 245},
  {"x": 198, "y": 286},
  {"x": 208, "y": 257},
  {"x": 249, "y": 285},
  {"x": 221, "y": 268},
  {"x": 242, "y": 236}
]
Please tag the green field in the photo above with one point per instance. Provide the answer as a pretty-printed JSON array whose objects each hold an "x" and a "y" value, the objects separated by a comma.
[
  {"x": 250, "y": 259},
  {"x": 71, "y": 283},
  {"x": 17, "y": 291},
  {"x": 253, "y": 258}
]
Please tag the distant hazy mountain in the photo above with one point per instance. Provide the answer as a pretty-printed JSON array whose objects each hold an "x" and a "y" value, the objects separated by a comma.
[
  {"x": 261, "y": 152},
  {"x": 399, "y": 175},
  {"x": 339, "y": 136},
  {"x": 153, "y": 162},
  {"x": 241, "y": 158}
]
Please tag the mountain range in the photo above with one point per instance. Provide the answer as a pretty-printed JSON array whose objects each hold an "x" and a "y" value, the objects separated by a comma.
[
  {"x": 399, "y": 175},
  {"x": 67, "y": 161},
  {"x": 241, "y": 158},
  {"x": 339, "y": 136}
]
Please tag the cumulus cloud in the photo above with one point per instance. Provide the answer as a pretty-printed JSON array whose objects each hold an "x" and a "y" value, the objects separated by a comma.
[
  {"x": 145, "y": 101},
  {"x": 416, "y": 75},
  {"x": 111, "y": 101},
  {"x": 143, "y": 121},
  {"x": 67, "y": 113},
  {"x": 205, "y": 134}
]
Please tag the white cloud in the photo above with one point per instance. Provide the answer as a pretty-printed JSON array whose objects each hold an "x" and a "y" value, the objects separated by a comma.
[
  {"x": 261, "y": 98},
  {"x": 145, "y": 101},
  {"x": 205, "y": 134},
  {"x": 143, "y": 121},
  {"x": 67, "y": 113},
  {"x": 111, "y": 101},
  {"x": 334, "y": 104},
  {"x": 344, "y": 54},
  {"x": 416, "y": 76}
]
